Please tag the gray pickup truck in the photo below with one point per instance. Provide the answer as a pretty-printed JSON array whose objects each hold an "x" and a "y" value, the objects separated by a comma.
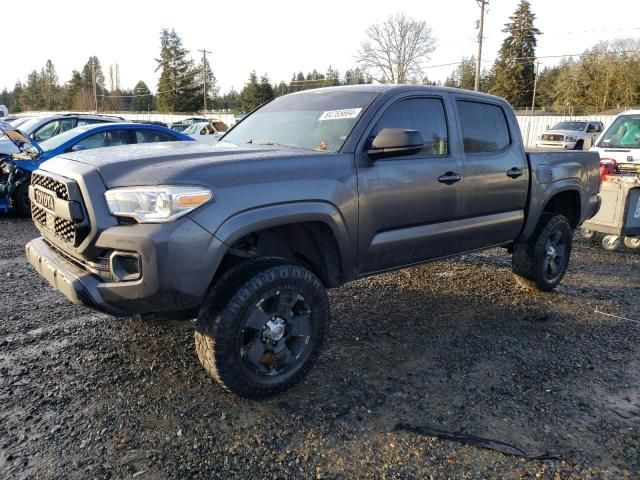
[{"x": 310, "y": 191}]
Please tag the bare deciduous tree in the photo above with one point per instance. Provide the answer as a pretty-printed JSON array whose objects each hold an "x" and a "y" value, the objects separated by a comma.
[{"x": 397, "y": 48}]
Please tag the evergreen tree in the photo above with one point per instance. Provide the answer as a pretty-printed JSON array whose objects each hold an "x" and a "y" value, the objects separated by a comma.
[
  {"x": 5, "y": 98},
  {"x": 281, "y": 89},
  {"x": 266, "y": 89},
  {"x": 229, "y": 101},
  {"x": 514, "y": 70},
  {"x": 203, "y": 72},
  {"x": 255, "y": 92},
  {"x": 15, "y": 97},
  {"x": 31, "y": 97},
  {"x": 178, "y": 83},
  {"x": 251, "y": 95},
  {"x": 142, "y": 100},
  {"x": 50, "y": 88},
  {"x": 464, "y": 75}
]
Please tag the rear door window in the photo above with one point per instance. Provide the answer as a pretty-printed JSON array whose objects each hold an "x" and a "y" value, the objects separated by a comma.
[{"x": 484, "y": 127}]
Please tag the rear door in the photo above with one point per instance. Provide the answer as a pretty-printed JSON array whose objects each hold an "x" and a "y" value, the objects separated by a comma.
[
  {"x": 495, "y": 174},
  {"x": 402, "y": 203}
]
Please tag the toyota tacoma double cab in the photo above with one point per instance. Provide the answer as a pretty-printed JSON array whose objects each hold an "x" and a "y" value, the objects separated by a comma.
[{"x": 311, "y": 190}]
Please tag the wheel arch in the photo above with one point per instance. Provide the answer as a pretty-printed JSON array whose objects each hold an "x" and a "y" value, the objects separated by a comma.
[
  {"x": 312, "y": 233},
  {"x": 564, "y": 197}
]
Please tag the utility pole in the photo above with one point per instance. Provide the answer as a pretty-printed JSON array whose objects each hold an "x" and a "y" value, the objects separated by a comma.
[
  {"x": 535, "y": 84},
  {"x": 95, "y": 91},
  {"x": 204, "y": 76},
  {"x": 482, "y": 4}
]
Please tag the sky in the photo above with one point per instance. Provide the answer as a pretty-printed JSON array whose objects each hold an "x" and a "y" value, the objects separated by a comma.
[{"x": 280, "y": 37}]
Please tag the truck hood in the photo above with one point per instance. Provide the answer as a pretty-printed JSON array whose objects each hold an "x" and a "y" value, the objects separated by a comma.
[
  {"x": 566, "y": 133},
  {"x": 21, "y": 140},
  {"x": 187, "y": 163}
]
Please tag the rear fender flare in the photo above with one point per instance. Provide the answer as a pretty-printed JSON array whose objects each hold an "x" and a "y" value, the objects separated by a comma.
[{"x": 544, "y": 193}]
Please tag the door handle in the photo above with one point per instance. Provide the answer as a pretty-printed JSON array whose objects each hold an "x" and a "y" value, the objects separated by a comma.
[
  {"x": 514, "y": 172},
  {"x": 449, "y": 178}
]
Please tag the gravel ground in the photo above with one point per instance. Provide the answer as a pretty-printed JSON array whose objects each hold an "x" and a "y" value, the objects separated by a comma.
[{"x": 451, "y": 345}]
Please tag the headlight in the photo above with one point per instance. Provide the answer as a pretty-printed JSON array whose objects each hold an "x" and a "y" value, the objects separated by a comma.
[
  {"x": 157, "y": 204},
  {"x": 569, "y": 139}
]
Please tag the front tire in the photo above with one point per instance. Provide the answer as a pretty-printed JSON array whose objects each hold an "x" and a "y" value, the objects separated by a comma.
[
  {"x": 543, "y": 260},
  {"x": 261, "y": 327},
  {"x": 579, "y": 145},
  {"x": 21, "y": 199}
]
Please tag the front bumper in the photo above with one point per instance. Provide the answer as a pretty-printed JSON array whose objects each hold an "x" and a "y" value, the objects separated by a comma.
[
  {"x": 556, "y": 145},
  {"x": 177, "y": 260}
]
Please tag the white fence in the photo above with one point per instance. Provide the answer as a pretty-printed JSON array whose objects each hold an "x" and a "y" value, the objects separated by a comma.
[{"x": 533, "y": 126}]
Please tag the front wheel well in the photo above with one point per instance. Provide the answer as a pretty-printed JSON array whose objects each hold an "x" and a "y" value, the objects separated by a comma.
[
  {"x": 566, "y": 203},
  {"x": 310, "y": 244}
]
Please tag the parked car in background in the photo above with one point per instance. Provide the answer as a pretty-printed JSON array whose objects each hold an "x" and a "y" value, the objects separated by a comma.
[
  {"x": 4, "y": 111},
  {"x": 620, "y": 143},
  {"x": 15, "y": 171},
  {"x": 44, "y": 128},
  {"x": 187, "y": 122},
  {"x": 209, "y": 128},
  {"x": 151, "y": 122},
  {"x": 571, "y": 135}
]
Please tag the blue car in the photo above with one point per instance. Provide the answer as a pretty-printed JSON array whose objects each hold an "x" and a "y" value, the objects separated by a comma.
[{"x": 15, "y": 170}]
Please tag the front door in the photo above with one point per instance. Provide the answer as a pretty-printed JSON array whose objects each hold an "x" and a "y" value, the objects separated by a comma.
[{"x": 404, "y": 200}]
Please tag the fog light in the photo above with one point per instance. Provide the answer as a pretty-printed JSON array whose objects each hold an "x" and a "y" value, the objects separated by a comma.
[{"x": 125, "y": 266}]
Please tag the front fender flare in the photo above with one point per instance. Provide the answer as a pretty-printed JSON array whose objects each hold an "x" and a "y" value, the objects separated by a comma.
[{"x": 249, "y": 221}]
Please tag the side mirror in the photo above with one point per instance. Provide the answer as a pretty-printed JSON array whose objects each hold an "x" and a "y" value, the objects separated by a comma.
[{"x": 395, "y": 142}]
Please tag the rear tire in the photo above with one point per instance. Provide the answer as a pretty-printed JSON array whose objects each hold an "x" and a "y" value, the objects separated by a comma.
[
  {"x": 261, "y": 327},
  {"x": 611, "y": 242},
  {"x": 542, "y": 261}
]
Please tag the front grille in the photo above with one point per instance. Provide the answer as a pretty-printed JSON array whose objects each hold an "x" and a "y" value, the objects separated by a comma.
[
  {"x": 553, "y": 138},
  {"x": 52, "y": 184},
  {"x": 65, "y": 229},
  {"x": 71, "y": 232},
  {"x": 38, "y": 214}
]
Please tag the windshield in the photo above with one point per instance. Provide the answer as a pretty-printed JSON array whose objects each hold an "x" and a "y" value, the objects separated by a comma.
[
  {"x": 55, "y": 142},
  {"x": 576, "y": 126},
  {"x": 317, "y": 120},
  {"x": 28, "y": 126},
  {"x": 195, "y": 128},
  {"x": 624, "y": 132}
]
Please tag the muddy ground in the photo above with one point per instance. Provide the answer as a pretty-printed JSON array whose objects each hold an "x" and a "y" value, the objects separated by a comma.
[{"x": 451, "y": 345}]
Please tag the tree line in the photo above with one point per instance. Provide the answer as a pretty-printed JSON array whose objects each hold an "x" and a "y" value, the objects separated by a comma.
[
  {"x": 604, "y": 76},
  {"x": 394, "y": 51}
]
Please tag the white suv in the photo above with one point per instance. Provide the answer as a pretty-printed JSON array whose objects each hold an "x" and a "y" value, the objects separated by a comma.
[
  {"x": 571, "y": 135},
  {"x": 621, "y": 140}
]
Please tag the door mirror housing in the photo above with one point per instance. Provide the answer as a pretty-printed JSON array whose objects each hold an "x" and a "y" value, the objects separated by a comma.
[{"x": 395, "y": 142}]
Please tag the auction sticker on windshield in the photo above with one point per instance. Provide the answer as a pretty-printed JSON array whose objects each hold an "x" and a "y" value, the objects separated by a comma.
[{"x": 340, "y": 114}]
